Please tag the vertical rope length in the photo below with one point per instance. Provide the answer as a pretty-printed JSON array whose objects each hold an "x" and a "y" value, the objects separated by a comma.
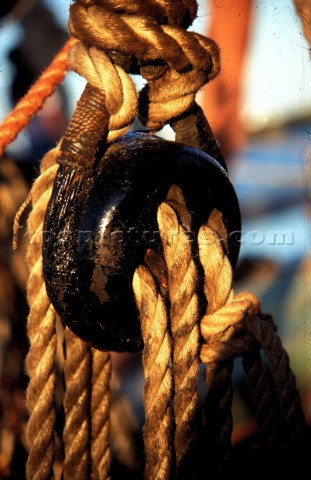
[
  {"x": 182, "y": 284},
  {"x": 100, "y": 415},
  {"x": 158, "y": 378},
  {"x": 262, "y": 398},
  {"x": 77, "y": 373},
  {"x": 285, "y": 385},
  {"x": 237, "y": 328},
  {"x": 40, "y": 362},
  {"x": 217, "y": 289}
]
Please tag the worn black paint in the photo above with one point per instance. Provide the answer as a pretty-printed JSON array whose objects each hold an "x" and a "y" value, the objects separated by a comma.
[{"x": 90, "y": 244}]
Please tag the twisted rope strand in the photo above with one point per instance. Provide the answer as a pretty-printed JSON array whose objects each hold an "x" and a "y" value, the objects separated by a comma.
[
  {"x": 158, "y": 378},
  {"x": 180, "y": 12},
  {"x": 285, "y": 382},
  {"x": 262, "y": 399},
  {"x": 224, "y": 320},
  {"x": 137, "y": 33},
  {"x": 120, "y": 96},
  {"x": 42, "y": 451},
  {"x": 40, "y": 361},
  {"x": 238, "y": 328},
  {"x": 34, "y": 99},
  {"x": 77, "y": 373},
  {"x": 217, "y": 289},
  {"x": 142, "y": 35},
  {"x": 182, "y": 281},
  {"x": 100, "y": 415}
]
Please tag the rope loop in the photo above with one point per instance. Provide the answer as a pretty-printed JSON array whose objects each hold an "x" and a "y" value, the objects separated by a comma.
[
  {"x": 149, "y": 38},
  {"x": 230, "y": 325},
  {"x": 234, "y": 326}
]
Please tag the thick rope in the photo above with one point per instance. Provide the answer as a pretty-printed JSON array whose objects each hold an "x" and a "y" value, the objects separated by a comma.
[
  {"x": 158, "y": 378},
  {"x": 218, "y": 402},
  {"x": 40, "y": 362},
  {"x": 117, "y": 86},
  {"x": 143, "y": 33},
  {"x": 76, "y": 350},
  {"x": 237, "y": 328},
  {"x": 262, "y": 399},
  {"x": 34, "y": 99},
  {"x": 100, "y": 415},
  {"x": 184, "y": 312},
  {"x": 285, "y": 382},
  {"x": 77, "y": 374},
  {"x": 176, "y": 64},
  {"x": 42, "y": 452}
]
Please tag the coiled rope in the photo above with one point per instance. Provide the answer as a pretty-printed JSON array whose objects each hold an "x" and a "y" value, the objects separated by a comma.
[{"x": 150, "y": 38}]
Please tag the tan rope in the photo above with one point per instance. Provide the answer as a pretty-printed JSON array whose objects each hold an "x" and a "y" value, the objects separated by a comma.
[
  {"x": 141, "y": 28},
  {"x": 75, "y": 412},
  {"x": 100, "y": 415},
  {"x": 231, "y": 327},
  {"x": 285, "y": 382},
  {"x": 42, "y": 412},
  {"x": 262, "y": 398},
  {"x": 184, "y": 312},
  {"x": 158, "y": 378},
  {"x": 238, "y": 328},
  {"x": 77, "y": 373},
  {"x": 40, "y": 362},
  {"x": 217, "y": 289},
  {"x": 140, "y": 35},
  {"x": 118, "y": 87}
]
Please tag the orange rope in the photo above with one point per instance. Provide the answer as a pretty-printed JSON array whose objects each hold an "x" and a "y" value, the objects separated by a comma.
[{"x": 34, "y": 99}]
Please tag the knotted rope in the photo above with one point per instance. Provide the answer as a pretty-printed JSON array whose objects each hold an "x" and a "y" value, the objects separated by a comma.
[
  {"x": 235, "y": 326},
  {"x": 149, "y": 38},
  {"x": 147, "y": 33},
  {"x": 231, "y": 327}
]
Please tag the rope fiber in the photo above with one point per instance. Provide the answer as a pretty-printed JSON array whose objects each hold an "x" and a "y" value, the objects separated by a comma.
[{"x": 189, "y": 314}]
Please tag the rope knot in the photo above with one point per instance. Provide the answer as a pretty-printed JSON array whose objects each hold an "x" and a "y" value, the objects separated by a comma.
[
  {"x": 147, "y": 37},
  {"x": 232, "y": 326},
  {"x": 226, "y": 332},
  {"x": 170, "y": 94}
]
